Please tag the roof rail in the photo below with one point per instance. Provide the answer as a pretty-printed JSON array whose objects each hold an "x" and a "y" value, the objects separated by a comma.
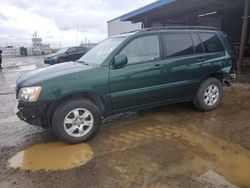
[
  {"x": 174, "y": 28},
  {"x": 181, "y": 27},
  {"x": 133, "y": 31}
]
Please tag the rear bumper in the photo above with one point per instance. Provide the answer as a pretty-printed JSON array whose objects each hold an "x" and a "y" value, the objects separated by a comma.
[
  {"x": 229, "y": 78},
  {"x": 33, "y": 113}
]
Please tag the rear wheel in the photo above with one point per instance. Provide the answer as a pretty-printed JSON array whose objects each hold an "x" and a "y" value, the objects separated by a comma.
[
  {"x": 76, "y": 121},
  {"x": 209, "y": 95}
]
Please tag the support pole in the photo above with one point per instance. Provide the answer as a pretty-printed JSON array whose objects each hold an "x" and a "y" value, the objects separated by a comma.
[{"x": 243, "y": 36}]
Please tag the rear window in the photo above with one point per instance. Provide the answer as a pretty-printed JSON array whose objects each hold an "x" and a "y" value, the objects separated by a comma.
[
  {"x": 178, "y": 44},
  {"x": 211, "y": 43}
]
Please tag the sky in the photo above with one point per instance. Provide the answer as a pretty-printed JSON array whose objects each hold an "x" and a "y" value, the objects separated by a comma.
[{"x": 57, "y": 21}]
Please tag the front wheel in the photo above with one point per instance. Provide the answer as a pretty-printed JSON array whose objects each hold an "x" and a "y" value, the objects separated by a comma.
[
  {"x": 60, "y": 60},
  {"x": 76, "y": 121},
  {"x": 209, "y": 95}
]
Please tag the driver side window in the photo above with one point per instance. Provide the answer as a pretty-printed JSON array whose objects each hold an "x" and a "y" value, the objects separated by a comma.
[
  {"x": 142, "y": 49},
  {"x": 71, "y": 50}
]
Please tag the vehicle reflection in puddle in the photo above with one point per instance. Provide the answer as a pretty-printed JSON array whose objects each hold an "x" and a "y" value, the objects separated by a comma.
[{"x": 52, "y": 156}]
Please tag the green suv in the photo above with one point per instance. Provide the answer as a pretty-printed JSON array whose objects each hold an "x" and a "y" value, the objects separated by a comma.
[{"x": 132, "y": 71}]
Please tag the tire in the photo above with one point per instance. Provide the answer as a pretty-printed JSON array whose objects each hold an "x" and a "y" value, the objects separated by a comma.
[
  {"x": 209, "y": 95},
  {"x": 86, "y": 125},
  {"x": 60, "y": 60}
]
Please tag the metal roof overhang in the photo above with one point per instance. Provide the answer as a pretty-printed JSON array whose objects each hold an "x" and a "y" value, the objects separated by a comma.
[
  {"x": 145, "y": 9},
  {"x": 170, "y": 8}
]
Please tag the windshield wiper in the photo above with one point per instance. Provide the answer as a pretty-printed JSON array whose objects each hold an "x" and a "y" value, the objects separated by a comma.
[{"x": 82, "y": 62}]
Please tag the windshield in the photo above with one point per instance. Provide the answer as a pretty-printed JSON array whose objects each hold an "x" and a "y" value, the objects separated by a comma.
[
  {"x": 63, "y": 50},
  {"x": 98, "y": 54}
]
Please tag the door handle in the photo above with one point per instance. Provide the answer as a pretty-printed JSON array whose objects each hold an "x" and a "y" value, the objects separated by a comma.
[{"x": 158, "y": 66}]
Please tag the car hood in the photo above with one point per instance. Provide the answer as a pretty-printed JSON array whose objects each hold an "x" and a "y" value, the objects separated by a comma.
[{"x": 40, "y": 75}]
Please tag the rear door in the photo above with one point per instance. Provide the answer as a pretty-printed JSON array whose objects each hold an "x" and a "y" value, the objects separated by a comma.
[{"x": 181, "y": 65}]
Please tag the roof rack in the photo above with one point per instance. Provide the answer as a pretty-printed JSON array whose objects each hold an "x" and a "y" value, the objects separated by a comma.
[
  {"x": 174, "y": 28},
  {"x": 133, "y": 31},
  {"x": 181, "y": 27}
]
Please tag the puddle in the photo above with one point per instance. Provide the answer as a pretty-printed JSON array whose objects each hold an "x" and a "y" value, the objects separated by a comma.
[
  {"x": 52, "y": 157},
  {"x": 22, "y": 68},
  {"x": 201, "y": 152}
]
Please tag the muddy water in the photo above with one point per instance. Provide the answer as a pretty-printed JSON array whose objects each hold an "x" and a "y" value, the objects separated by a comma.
[
  {"x": 179, "y": 133},
  {"x": 230, "y": 160},
  {"x": 53, "y": 156}
]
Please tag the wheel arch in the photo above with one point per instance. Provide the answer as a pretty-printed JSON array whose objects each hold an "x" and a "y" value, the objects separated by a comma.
[
  {"x": 96, "y": 98},
  {"x": 217, "y": 75}
]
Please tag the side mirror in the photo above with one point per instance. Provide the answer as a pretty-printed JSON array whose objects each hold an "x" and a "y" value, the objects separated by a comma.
[{"x": 120, "y": 60}]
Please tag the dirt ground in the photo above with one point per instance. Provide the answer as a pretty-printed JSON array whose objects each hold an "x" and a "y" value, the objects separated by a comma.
[{"x": 171, "y": 146}]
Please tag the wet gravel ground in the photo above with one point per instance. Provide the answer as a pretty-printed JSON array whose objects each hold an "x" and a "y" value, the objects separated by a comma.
[{"x": 171, "y": 146}]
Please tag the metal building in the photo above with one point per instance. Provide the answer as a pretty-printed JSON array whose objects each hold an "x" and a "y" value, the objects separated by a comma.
[
  {"x": 231, "y": 16},
  {"x": 116, "y": 26}
]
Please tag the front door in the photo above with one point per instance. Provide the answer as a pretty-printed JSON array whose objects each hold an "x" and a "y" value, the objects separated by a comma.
[{"x": 140, "y": 81}]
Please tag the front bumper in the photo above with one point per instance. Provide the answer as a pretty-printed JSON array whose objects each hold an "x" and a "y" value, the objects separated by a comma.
[
  {"x": 51, "y": 61},
  {"x": 33, "y": 113}
]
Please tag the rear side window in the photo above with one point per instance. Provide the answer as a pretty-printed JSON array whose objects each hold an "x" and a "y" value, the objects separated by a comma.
[
  {"x": 211, "y": 42},
  {"x": 178, "y": 44},
  {"x": 142, "y": 49},
  {"x": 198, "y": 48}
]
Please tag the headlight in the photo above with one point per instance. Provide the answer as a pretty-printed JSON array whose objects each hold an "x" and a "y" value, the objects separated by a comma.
[{"x": 29, "y": 94}]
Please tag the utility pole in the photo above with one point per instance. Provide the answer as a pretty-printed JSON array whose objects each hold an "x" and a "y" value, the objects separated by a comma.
[
  {"x": 243, "y": 36},
  {"x": 77, "y": 31}
]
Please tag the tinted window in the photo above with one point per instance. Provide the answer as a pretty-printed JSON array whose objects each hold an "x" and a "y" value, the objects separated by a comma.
[
  {"x": 71, "y": 50},
  {"x": 211, "y": 42},
  {"x": 178, "y": 44},
  {"x": 82, "y": 49},
  {"x": 142, "y": 49},
  {"x": 198, "y": 48}
]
